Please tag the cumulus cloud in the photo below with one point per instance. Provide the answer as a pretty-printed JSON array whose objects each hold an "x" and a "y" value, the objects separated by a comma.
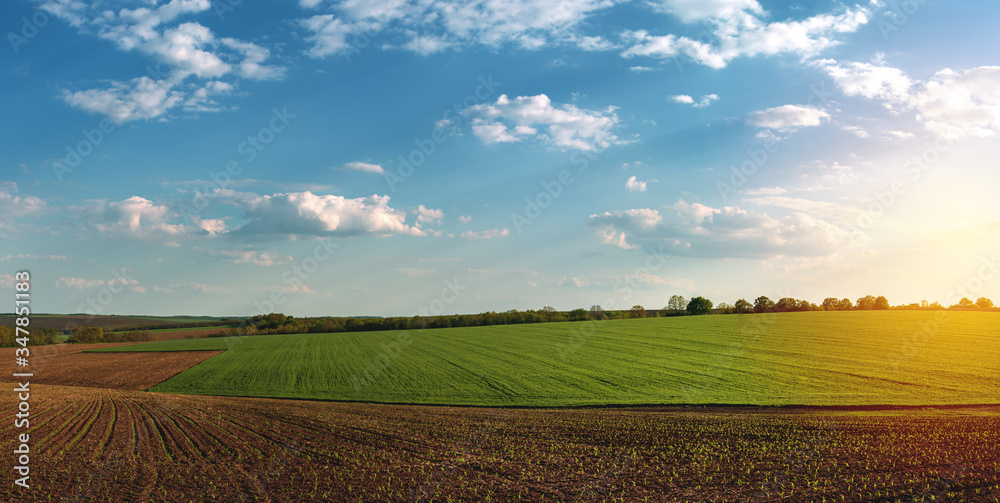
[
  {"x": 704, "y": 101},
  {"x": 135, "y": 217},
  {"x": 431, "y": 27},
  {"x": 956, "y": 104},
  {"x": 488, "y": 234},
  {"x": 305, "y": 213},
  {"x": 428, "y": 215},
  {"x": 702, "y": 231},
  {"x": 282, "y": 214},
  {"x": 951, "y": 104},
  {"x": 634, "y": 185},
  {"x": 565, "y": 126},
  {"x": 787, "y": 117},
  {"x": 738, "y": 30},
  {"x": 869, "y": 80},
  {"x": 190, "y": 60}
]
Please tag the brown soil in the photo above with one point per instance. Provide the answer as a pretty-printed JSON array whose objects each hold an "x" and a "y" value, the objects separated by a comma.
[
  {"x": 193, "y": 334},
  {"x": 119, "y": 445},
  {"x": 67, "y": 365}
]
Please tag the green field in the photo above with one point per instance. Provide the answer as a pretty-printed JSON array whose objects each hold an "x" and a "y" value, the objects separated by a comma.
[{"x": 813, "y": 358}]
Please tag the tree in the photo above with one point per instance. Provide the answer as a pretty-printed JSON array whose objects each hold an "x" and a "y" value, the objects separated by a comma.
[
  {"x": 786, "y": 304},
  {"x": 699, "y": 305},
  {"x": 831, "y": 304},
  {"x": 845, "y": 304},
  {"x": 637, "y": 311},
  {"x": 984, "y": 303},
  {"x": 724, "y": 308},
  {"x": 966, "y": 303},
  {"x": 677, "y": 303},
  {"x": 742, "y": 306},
  {"x": 881, "y": 303},
  {"x": 597, "y": 312},
  {"x": 763, "y": 305},
  {"x": 866, "y": 303},
  {"x": 579, "y": 314}
]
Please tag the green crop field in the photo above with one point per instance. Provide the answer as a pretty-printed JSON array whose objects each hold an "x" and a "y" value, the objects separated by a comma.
[{"x": 815, "y": 358}]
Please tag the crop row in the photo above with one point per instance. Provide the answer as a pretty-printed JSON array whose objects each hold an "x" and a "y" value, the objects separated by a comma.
[{"x": 111, "y": 445}]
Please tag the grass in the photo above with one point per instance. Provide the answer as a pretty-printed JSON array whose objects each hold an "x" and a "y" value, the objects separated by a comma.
[{"x": 821, "y": 358}]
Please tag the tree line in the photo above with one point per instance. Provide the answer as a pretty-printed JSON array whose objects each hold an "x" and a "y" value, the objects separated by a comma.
[
  {"x": 277, "y": 323},
  {"x": 38, "y": 337},
  {"x": 92, "y": 335}
]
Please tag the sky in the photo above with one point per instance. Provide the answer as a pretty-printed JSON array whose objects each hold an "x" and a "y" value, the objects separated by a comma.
[{"x": 397, "y": 157}]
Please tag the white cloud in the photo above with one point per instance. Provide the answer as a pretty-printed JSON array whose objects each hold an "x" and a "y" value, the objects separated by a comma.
[
  {"x": 253, "y": 56},
  {"x": 364, "y": 167},
  {"x": 705, "y": 100},
  {"x": 430, "y": 27},
  {"x": 428, "y": 215},
  {"x": 566, "y": 126},
  {"x": 329, "y": 34},
  {"x": 305, "y": 213},
  {"x": 703, "y": 231},
  {"x": 13, "y": 206},
  {"x": 955, "y": 104},
  {"x": 141, "y": 98},
  {"x": 211, "y": 226},
  {"x": 951, "y": 104},
  {"x": 488, "y": 234},
  {"x": 595, "y": 44},
  {"x": 135, "y": 217},
  {"x": 633, "y": 185},
  {"x": 690, "y": 11},
  {"x": 465, "y": 219},
  {"x": 610, "y": 237},
  {"x": 737, "y": 30},
  {"x": 188, "y": 50},
  {"x": 787, "y": 117},
  {"x": 870, "y": 81},
  {"x": 641, "y": 69}
]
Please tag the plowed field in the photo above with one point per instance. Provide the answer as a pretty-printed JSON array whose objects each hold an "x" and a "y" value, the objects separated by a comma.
[
  {"x": 67, "y": 365},
  {"x": 116, "y": 445}
]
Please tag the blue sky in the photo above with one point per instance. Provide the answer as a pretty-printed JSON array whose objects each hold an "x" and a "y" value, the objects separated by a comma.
[{"x": 398, "y": 157}]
